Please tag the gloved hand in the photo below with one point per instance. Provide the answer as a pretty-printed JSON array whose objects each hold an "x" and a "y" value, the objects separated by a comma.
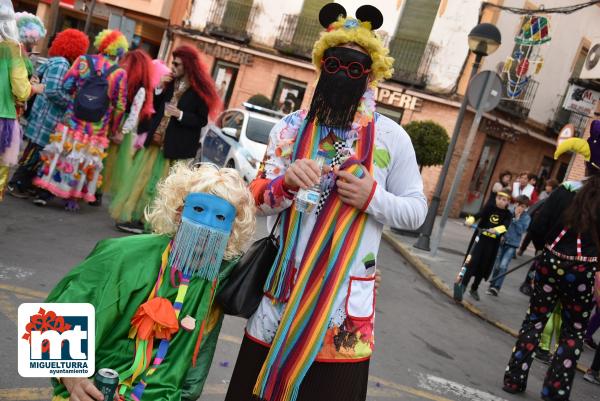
[
  {"x": 499, "y": 230},
  {"x": 470, "y": 220}
]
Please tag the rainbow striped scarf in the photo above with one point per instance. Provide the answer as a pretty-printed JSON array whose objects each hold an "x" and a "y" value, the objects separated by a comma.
[{"x": 324, "y": 267}]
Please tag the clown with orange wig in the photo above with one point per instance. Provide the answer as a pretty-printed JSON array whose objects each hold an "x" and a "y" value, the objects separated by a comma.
[
  {"x": 49, "y": 107},
  {"x": 73, "y": 160}
]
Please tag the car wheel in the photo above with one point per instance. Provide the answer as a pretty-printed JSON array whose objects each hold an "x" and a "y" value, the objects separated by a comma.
[{"x": 230, "y": 164}]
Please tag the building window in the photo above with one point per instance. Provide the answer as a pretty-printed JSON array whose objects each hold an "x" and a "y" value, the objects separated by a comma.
[
  {"x": 224, "y": 75},
  {"x": 563, "y": 116},
  {"x": 545, "y": 171},
  {"x": 394, "y": 114},
  {"x": 288, "y": 95}
]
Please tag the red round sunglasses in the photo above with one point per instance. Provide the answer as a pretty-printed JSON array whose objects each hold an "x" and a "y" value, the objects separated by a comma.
[{"x": 353, "y": 70}]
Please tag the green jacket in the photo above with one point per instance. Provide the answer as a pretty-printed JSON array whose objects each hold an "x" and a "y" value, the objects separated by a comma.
[
  {"x": 14, "y": 83},
  {"x": 117, "y": 278}
]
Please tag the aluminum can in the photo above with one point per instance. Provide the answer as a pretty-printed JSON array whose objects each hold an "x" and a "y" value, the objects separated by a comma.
[{"x": 107, "y": 381}]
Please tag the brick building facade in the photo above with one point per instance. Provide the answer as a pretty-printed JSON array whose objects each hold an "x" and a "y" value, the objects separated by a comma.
[{"x": 504, "y": 146}]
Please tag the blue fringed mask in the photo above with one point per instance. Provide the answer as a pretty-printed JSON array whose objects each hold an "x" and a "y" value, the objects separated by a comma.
[{"x": 202, "y": 237}]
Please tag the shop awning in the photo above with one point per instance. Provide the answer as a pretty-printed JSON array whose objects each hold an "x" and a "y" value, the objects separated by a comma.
[{"x": 63, "y": 3}]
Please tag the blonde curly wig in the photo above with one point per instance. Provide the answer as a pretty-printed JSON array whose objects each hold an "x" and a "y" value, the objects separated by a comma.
[
  {"x": 164, "y": 214},
  {"x": 351, "y": 30}
]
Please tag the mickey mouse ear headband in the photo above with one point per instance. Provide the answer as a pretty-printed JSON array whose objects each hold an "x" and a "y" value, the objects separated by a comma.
[
  {"x": 341, "y": 29},
  {"x": 331, "y": 12}
]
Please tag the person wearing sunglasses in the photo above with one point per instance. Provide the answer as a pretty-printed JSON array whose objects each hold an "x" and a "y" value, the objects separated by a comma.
[
  {"x": 312, "y": 336},
  {"x": 184, "y": 101}
]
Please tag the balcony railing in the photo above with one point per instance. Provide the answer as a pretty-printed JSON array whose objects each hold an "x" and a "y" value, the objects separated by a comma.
[
  {"x": 563, "y": 117},
  {"x": 297, "y": 35},
  {"x": 518, "y": 106},
  {"x": 231, "y": 20},
  {"x": 411, "y": 60}
]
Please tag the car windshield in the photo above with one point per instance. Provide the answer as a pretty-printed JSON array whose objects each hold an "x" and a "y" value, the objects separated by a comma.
[{"x": 258, "y": 130}]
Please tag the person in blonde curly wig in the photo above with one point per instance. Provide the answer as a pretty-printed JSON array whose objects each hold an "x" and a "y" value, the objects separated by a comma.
[
  {"x": 157, "y": 290},
  {"x": 164, "y": 215}
]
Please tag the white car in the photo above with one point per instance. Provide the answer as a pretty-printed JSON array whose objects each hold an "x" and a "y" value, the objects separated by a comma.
[{"x": 238, "y": 139}]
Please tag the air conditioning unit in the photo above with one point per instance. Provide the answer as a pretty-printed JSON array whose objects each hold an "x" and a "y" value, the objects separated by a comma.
[{"x": 591, "y": 66}]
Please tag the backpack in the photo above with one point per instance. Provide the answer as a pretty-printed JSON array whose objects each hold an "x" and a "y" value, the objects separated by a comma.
[{"x": 92, "y": 100}]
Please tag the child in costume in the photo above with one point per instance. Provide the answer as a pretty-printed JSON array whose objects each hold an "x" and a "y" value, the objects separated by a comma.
[
  {"x": 73, "y": 159},
  {"x": 138, "y": 111},
  {"x": 568, "y": 228},
  {"x": 153, "y": 294},
  {"x": 479, "y": 260},
  {"x": 48, "y": 108},
  {"x": 511, "y": 241}
]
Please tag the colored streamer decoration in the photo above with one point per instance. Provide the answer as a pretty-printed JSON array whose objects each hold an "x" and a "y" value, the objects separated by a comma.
[{"x": 535, "y": 31}]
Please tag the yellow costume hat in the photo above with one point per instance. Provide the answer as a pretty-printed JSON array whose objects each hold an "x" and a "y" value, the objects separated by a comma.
[
  {"x": 590, "y": 149},
  {"x": 341, "y": 30}
]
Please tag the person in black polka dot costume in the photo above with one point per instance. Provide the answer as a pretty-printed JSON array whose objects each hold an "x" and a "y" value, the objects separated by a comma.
[{"x": 568, "y": 228}]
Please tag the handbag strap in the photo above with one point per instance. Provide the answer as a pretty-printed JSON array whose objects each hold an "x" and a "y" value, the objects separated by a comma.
[{"x": 275, "y": 225}]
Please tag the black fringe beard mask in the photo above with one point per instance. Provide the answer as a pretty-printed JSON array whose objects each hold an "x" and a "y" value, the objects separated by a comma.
[{"x": 337, "y": 95}]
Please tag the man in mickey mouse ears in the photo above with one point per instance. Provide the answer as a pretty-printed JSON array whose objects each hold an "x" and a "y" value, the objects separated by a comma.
[{"x": 312, "y": 336}]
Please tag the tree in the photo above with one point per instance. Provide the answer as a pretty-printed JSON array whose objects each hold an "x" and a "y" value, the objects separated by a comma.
[
  {"x": 261, "y": 101},
  {"x": 430, "y": 141}
]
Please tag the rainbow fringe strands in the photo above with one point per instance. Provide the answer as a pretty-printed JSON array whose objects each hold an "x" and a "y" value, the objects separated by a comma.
[
  {"x": 324, "y": 267},
  {"x": 198, "y": 250}
]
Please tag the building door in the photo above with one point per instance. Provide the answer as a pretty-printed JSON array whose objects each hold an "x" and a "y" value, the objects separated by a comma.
[
  {"x": 478, "y": 187},
  {"x": 224, "y": 75}
]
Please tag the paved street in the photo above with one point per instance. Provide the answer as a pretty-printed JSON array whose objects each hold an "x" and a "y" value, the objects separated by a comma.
[{"x": 427, "y": 347}]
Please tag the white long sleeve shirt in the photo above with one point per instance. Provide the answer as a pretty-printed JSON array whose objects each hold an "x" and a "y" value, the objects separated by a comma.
[{"x": 398, "y": 201}]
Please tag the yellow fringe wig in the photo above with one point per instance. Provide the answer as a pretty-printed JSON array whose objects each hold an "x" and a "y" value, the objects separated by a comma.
[{"x": 351, "y": 30}]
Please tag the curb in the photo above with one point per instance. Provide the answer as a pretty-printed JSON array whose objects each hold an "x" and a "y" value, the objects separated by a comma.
[{"x": 425, "y": 271}]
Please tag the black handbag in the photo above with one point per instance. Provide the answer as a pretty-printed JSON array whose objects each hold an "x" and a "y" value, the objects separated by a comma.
[{"x": 243, "y": 291}]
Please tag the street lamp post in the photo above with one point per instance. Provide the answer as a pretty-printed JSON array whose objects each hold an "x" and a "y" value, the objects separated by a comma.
[
  {"x": 88, "y": 18},
  {"x": 484, "y": 39}
]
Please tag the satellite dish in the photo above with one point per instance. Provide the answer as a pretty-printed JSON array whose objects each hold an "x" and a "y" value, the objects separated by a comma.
[{"x": 593, "y": 56}]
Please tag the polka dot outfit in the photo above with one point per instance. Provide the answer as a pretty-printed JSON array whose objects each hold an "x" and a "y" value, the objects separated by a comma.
[{"x": 572, "y": 285}]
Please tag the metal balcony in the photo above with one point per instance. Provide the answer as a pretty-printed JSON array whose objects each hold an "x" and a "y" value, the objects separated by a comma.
[
  {"x": 297, "y": 34},
  {"x": 563, "y": 117},
  {"x": 519, "y": 105},
  {"x": 231, "y": 20},
  {"x": 411, "y": 60}
]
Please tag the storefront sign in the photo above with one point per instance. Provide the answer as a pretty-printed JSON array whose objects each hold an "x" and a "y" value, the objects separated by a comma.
[
  {"x": 581, "y": 100},
  {"x": 101, "y": 10},
  {"x": 398, "y": 99},
  {"x": 63, "y": 3},
  {"x": 225, "y": 53},
  {"x": 496, "y": 130}
]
